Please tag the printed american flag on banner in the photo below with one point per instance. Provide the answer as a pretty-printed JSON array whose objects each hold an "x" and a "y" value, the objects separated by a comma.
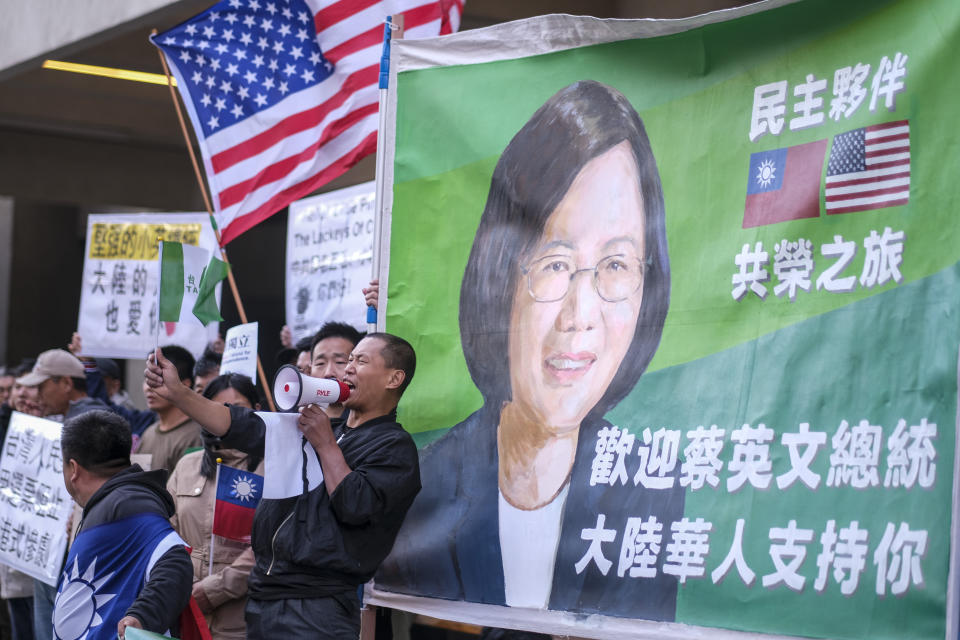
[
  {"x": 869, "y": 168},
  {"x": 282, "y": 94}
]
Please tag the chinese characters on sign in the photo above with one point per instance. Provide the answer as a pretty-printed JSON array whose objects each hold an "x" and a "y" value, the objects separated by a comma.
[
  {"x": 793, "y": 265},
  {"x": 118, "y": 299},
  {"x": 844, "y": 550},
  {"x": 809, "y": 108},
  {"x": 34, "y": 505},
  {"x": 240, "y": 350},
  {"x": 329, "y": 258}
]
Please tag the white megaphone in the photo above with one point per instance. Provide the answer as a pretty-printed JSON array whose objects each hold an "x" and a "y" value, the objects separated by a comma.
[{"x": 292, "y": 389}]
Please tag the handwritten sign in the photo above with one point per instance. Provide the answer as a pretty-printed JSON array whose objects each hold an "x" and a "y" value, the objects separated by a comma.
[
  {"x": 118, "y": 299},
  {"x": 329, "y": 257},
  {"x": 34, "y": 505}
]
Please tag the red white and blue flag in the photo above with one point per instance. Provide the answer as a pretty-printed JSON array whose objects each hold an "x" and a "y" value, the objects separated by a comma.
[
  {"x": 784, "y": 184},
  {"x": 238, "y": 494},
  {"x": 869, "y": 168},
  {"x": 283, "y": 95}
]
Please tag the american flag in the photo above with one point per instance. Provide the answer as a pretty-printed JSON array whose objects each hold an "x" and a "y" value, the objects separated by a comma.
[
  {"x": 283, "y": 95},
  {"x": 869, "y": 168}
]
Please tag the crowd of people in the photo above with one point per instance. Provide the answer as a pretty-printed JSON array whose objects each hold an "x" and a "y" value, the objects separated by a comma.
[{"x": 144, "y": 486}]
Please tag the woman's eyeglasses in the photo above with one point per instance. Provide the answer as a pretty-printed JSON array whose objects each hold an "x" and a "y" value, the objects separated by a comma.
[{"x": 615, "y": 277}]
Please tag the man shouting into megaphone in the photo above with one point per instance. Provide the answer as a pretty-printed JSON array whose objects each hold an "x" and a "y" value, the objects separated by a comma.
[{"x": 313, "y": 550}]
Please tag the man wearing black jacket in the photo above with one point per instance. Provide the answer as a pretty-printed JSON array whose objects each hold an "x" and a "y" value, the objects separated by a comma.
[
  {"x": 127, "y": 566},
  {"x": 313, "y": 551}
]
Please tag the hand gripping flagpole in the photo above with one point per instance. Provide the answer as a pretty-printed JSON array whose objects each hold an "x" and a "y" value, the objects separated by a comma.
[
  {"x": 213, "y": 222},
  {"x": 388, "y": 27}
]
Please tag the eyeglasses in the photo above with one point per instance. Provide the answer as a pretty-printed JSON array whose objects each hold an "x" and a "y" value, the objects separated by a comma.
[{"x": 615, "y": 277}]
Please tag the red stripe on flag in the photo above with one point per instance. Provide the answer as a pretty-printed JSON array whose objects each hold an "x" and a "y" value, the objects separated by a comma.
[
  {"x": 903, "y": 162},
  {"x": 295, "y": 123},
  {"x": 421, "y": 15},
  {"x": 232, "y": 521},
  {"x": 411, "y": 18},
  {"x": 367, "y": 39},
  {"x": 868, "y": 206},
  {"x": 237, "y": 192},
  {"x": 281, "y": 199},
  {"x": 850, "y": 183},
  {"x": 877, "y": 153},
  {"x": 339, "y": 11},
  {"x": 866, "y": 193},
  {"x": 888, "y": 125},
  {"x": 892, "y": 138}
]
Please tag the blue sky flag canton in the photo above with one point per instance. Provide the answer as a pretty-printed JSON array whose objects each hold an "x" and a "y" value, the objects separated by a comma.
[
  {"x": 239, "y": 58},
  {"x": 239, "y": 487},
  {"x": 766, "y": 170}
]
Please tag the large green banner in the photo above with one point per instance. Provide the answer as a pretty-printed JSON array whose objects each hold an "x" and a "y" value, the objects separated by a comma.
[{"x": 685, "y": 297}]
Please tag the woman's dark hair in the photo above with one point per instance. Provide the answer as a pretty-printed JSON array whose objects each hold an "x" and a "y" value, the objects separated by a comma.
[
  {"x": 579, "y": 123},
  {"x": 245, "y": 387}
]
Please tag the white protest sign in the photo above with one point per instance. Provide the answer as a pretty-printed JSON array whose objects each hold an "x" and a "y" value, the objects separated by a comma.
[
  {"x": 240, "y": 351},
  {"x": 34, "y": 504},
  {"x": 329, "y": 257},
  {"x": 286, "y": 452},
  {"x": 118, "y": 299}
]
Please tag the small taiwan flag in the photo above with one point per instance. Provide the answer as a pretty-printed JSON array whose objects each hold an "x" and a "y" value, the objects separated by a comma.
[
  {"x": 238, "y": 493},
  {"x": 784, "y": 184}
]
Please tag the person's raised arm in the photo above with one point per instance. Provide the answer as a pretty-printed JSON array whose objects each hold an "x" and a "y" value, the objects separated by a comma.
[{"x": 162, "y": 377}]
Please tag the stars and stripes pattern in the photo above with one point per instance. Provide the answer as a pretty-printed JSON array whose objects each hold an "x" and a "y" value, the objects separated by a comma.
[
  {"x": 869, "y": 168},
  {"x": 282, "y": 94}
]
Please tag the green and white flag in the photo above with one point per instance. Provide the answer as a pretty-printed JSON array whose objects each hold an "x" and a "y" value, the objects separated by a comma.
[{"x": 188, "y": 283}]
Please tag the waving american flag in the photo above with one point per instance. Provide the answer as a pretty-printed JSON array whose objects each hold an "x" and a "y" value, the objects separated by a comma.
[{"x": 282, "y": 94}]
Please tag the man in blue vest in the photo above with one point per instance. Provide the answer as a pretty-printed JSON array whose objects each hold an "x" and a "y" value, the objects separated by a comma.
[{"x": 127, "y": 566}]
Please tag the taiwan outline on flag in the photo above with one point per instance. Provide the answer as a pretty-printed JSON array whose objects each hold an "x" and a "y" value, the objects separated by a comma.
[
  {"x": 784, "y": 184},
  {"x": 238, "y": 493}
]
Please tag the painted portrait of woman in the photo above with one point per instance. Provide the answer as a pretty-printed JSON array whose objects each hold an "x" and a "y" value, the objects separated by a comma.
[{"x": 562, "y": 307}]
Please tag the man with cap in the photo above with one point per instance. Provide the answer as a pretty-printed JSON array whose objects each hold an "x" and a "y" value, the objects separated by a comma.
[{"x": 62, "y": 386}]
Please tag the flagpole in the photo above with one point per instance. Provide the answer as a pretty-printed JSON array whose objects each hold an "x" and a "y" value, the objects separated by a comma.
[
  {"x": 213, "y": 221},
  {"x": 216, "y": 485},
  {"x": 384, "y": 84},
  {"x": 159, "y": 322}
]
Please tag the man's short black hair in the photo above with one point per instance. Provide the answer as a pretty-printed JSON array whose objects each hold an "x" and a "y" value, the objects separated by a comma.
[
  {"x": 98, "y": 440},
  {"x": 398, "y": 354},
  {"x": 181, "y": 359},
  {"x": 336, "y": 330},
  {"x": 208, "y": 363},
  {"x": 79, "y": 384}
]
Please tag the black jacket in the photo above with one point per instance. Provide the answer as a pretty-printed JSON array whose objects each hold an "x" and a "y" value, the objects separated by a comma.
[
  {"x": 131, "y": 492},
  {"x": 317, "y": 544}
]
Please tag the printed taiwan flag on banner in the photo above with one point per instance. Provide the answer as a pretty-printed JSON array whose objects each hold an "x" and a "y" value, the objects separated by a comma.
[
  {"x": 238, "y": 493},
  {"x": 784, "y": 184}
]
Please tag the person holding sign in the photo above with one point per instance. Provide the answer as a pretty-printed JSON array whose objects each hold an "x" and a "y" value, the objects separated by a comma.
[
  {"x": 562, "y": 305},
  {"x": 127, "y": 566},
  {"x": 314, "y": 549},
  {"x": 220, "y": 587}
]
